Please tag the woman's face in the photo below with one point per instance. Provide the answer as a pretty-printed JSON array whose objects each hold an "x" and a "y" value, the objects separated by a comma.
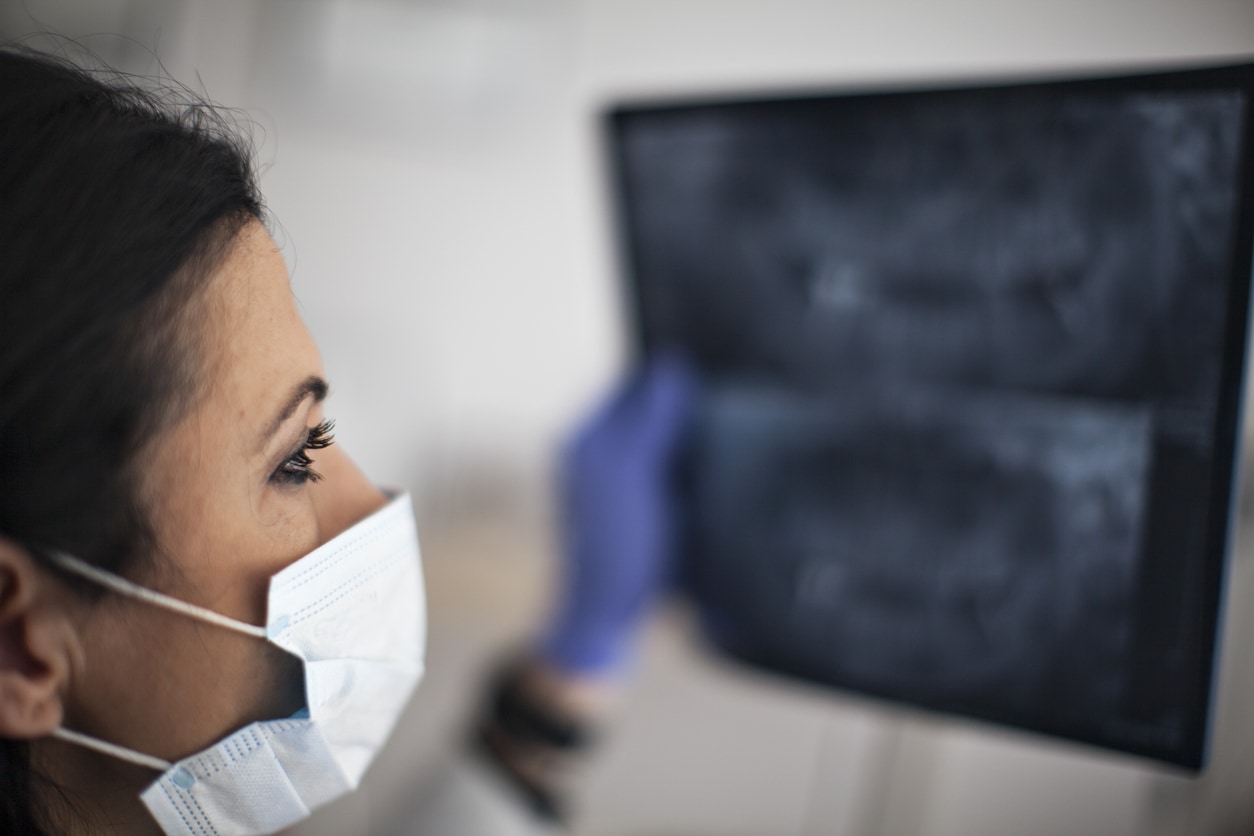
[{"x": 232, "y": 502}]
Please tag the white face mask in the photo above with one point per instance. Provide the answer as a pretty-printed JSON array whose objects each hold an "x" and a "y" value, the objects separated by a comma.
[{"x": 354, "y": 612}]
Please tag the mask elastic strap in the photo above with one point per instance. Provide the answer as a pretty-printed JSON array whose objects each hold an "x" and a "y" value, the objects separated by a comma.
[
  {"x": 120, "y": 752},
  {"x": 142, "y": 593}
]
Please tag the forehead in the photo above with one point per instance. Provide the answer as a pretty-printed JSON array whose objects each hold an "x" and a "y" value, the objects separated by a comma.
[{"x": 256, "y": 344}]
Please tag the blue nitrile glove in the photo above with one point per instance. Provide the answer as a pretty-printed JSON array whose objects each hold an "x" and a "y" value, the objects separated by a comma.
[{"x": 618, "y": 517}]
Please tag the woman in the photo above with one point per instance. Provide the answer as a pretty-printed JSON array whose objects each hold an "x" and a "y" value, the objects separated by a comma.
[{"x": 209, "y": 617}]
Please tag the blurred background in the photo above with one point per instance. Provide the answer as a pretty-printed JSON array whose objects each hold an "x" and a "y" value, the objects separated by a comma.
[{"x": 434, "y": 171}]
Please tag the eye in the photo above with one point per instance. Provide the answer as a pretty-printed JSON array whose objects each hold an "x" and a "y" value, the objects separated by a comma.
[{"x": 297, "y": 469}]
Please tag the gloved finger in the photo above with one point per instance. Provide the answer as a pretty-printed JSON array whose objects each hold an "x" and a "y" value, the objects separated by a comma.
[
  {"x": 643, "y": 414},
  {"x": 664, "y": 401},
  {"x": 621, "y": 401}
]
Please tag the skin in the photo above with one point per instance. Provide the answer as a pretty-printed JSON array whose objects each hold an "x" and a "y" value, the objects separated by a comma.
[{"x": 158, "y": 682}]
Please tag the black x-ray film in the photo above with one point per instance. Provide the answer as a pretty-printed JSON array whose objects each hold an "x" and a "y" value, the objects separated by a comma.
[{"x": 971, "y": 368}]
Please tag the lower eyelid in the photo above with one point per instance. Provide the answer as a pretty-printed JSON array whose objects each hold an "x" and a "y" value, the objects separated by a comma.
[{"x": 291, "y": 479}]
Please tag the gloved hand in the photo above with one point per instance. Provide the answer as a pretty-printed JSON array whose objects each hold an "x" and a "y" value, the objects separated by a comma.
[{"x": 619, "y": 520}]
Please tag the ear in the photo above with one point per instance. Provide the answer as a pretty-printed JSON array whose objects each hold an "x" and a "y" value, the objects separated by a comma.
[{"x": 36, "y": 646}]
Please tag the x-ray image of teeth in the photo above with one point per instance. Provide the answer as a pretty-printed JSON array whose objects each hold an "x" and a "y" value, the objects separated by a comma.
[
  {"x": 964, "y": 394},
  {"x": 1048, "y": 245},
  {"x": 969, "y": 549}
]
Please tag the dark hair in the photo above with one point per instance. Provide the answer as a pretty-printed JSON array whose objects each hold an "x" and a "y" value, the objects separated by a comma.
[{"x": 115, "y": 206}]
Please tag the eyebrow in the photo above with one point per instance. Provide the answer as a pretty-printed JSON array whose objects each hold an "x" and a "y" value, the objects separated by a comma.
[{"x": 312, "y": 385}]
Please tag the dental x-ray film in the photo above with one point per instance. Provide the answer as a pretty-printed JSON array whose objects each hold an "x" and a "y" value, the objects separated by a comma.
[{"x": 971, "y": 366}]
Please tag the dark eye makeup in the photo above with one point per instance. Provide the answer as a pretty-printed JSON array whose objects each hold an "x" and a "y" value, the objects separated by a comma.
[{"x": 297, "y": 469}]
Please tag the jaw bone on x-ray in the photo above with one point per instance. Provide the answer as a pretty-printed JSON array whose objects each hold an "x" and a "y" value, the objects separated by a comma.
[
  {"x": 960, "y": 347},
  {"x": 925, "y": 543}
]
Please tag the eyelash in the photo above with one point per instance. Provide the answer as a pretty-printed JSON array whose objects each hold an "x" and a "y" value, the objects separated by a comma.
[{"x": 298, "y": 468}]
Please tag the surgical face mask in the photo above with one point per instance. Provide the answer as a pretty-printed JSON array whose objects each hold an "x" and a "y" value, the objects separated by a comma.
[{"x": 354, "y": 612}]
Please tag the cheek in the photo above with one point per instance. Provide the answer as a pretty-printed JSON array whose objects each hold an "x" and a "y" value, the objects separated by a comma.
[
  {"x": 221, "y": 540},
  {"x": 260, "y": 547}
]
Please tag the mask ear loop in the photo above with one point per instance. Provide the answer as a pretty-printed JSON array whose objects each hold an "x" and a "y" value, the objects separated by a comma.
[
  {"x": 134, "y": 590},
  {"x": 105, "y": 748}
]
